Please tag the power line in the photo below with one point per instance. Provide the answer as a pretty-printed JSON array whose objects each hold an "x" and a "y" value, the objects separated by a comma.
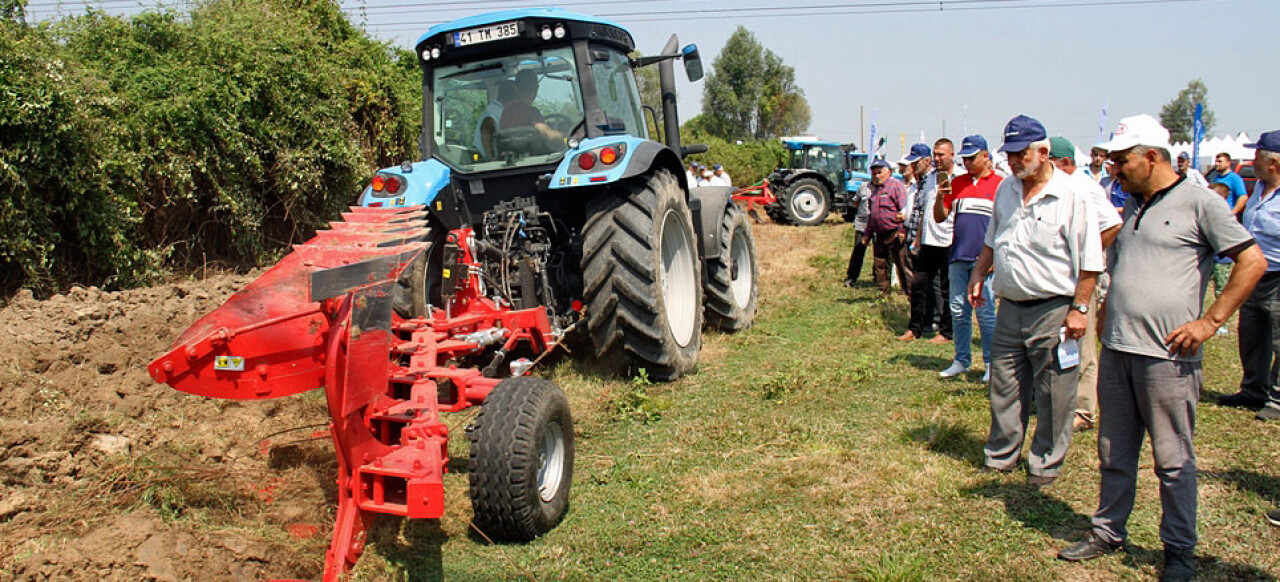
[{"x": 906, "y": 7}]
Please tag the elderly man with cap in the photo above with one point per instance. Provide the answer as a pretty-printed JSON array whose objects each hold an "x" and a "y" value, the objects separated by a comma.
[
  {"x": 970, "y": 201},
  {"x": 929, "y": 244},
  {"x": 1149, "y": 376},
  {"x": 1063, "y": 155},
  {"x": 1044, "y": 246},
  {"x": 886, "y": 200},
  {"x": 1260, "y": 315},
  {"x": 1185, "y": 170},
  {"x": 919, "y": 160},
  {"x": 719, "y": 177}
]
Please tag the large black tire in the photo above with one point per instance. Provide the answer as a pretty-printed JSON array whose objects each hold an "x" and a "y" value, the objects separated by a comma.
[
  {"x": 642, "y": 278},
  {"x": 521, "y": 460},
  {"x": 732, "y": 281},
  {"x": 419, "y": 283},
  {"x": 806, "y": 202}
]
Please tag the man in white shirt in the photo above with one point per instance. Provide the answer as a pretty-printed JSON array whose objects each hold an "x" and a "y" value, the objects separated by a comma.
[
  {"x": 1062, "y": 154},
  {"x": 719, "y": 177},
  {"x": 1185, "y": 169},
  {"x": 1044, "y": 247}
]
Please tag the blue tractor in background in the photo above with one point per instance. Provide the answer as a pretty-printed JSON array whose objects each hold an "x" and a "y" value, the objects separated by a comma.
[
  {"x": 535, "y": 139},
  {"x": 821, "y": 177}
]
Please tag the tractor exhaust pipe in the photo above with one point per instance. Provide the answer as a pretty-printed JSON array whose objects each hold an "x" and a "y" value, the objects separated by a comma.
[{"x": 667, "y": 80}]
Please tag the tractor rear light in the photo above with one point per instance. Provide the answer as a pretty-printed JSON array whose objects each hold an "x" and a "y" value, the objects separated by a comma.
[
  {"x": 576, "y": 305},
  {"x": 378, "y": 183},
  {"x": 587, "y": 160},
  {"x": 393, "y": 184},
  {"x": 608, "y": 156}
]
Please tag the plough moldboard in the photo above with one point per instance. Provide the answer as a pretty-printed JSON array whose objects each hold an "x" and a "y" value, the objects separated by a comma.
[{"x": 324, "y": 317}]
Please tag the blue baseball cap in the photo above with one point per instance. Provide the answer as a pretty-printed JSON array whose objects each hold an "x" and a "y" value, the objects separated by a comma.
[
  {"x": 717, "y": 167},
  {"x": 1021, "y": 132},
  {"x": 881, "y": 163},
  {"x": 971, "y": 145},
  {"x": 1269, "y": 141},
  {"x": 918, "y": 151}
]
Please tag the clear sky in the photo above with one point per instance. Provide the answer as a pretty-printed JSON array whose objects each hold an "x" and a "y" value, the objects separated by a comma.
[{"x": 974, "y": 63}]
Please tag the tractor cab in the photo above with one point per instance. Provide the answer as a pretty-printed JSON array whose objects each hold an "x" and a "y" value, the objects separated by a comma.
[
  {"x": 521, "y": 88},
  {"x": 825, "y": 158}
]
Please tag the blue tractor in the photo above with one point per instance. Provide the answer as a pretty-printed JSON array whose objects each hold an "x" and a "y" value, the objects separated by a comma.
[
  {"x": 821, "y": 177},
  {"x": 535, "y": 144}
]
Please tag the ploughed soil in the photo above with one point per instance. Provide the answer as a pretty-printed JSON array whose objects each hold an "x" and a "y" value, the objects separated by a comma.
[{"x": 108, "y": 475}]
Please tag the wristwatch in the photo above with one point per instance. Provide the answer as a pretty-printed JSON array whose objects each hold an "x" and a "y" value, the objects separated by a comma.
[{"x": 1081, "y": 307}]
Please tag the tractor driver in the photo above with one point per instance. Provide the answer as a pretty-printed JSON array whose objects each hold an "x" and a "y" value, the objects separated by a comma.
[{"x": 521, "y": 112}]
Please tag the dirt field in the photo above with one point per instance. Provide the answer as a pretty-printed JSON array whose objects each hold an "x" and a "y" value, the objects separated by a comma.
[{"x": 106, "y": 475}]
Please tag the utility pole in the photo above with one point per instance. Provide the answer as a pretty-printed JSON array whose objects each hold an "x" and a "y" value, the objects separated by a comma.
[
  {"x": 862, "y": 129},
  {"x": 944, "y": 128}
]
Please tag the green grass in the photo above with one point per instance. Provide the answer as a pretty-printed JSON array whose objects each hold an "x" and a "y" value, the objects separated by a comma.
[{"x": 814, "y": 447}]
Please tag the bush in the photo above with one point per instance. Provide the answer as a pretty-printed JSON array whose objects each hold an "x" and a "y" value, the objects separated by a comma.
[
  {"x": 747, "y": 162},
  {"x": 221, "y": 136}
]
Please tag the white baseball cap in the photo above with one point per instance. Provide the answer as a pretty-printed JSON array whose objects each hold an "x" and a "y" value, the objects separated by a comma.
[{"x": 1139, "y": 130}]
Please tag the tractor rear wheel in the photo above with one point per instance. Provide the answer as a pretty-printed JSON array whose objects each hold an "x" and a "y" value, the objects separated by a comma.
[
  {"x": 732, "y": 282},
  {"x": 521, "y": 459},
  {"x": 806, "y": 202},
  {"x": 419, "y": 283},
  {"x": 642, "y": 279}
]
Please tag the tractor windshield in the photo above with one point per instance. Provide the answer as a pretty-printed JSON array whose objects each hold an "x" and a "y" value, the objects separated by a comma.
[
  {"x": 618, "y": 95},
  {"x": 517, "y": 110}
]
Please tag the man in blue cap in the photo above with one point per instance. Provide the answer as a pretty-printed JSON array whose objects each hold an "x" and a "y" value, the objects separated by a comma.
[
  {"x": 970, "y": 200},
  {"x": 886, "y": 199},
  {"x": 1149, "y": 372},
  {"x": 1044, "y": 253},
  {"x": 1260, "y": 314},
  {"x": 920, "y": 158}
]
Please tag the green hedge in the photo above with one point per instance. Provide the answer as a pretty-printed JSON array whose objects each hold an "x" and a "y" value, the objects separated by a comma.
[
  {"x": 172, "y": 140},
  {"x": 747, "y": 162}
]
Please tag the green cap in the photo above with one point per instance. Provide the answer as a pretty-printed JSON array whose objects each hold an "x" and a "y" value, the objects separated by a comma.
[{"x": 1060, "y": 147}]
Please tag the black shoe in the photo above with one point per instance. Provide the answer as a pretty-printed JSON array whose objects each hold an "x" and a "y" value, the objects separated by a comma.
[
  {"x": 1241, "y": 400},
  {"x": 1268, "y": 412},
  {"x": 1179, "y": 565},
  {"x": 1273, "y": 516},
  {"x": 1040, "y": 480},
  {"x": 1088, "y": 549}
]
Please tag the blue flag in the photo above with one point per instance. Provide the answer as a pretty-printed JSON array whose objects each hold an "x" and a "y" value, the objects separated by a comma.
[
  {"x": 1197, "y": 134},
  {"x": 871, "y": 147}
]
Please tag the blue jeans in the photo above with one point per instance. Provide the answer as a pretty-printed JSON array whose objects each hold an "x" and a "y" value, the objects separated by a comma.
[{"x": 962, "y": 314}]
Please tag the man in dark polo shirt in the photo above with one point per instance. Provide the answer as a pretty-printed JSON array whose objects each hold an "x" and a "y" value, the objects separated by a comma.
[{"x": 1149, "y": 375}]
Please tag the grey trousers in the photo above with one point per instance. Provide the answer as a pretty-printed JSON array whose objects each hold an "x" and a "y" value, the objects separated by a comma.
[
  {"x": 1260, "y": 341},
  {"x": 1024, "y": 361},
  {"x": 1137, "y": 395}
]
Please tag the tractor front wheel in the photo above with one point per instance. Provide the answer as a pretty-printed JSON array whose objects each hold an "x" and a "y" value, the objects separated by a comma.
[
  {"x": 642, "y": 278},
  {"x": 806, "y": 202},
  {"x": 732, "y": 282},
  {"x": 521, "y": 459}
]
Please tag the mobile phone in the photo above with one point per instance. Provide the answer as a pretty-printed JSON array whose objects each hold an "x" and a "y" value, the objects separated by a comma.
[{"x": 944, "y": 179}]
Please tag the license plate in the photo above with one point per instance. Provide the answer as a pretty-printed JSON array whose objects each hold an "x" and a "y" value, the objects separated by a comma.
[{"x": 486, "y": 34}]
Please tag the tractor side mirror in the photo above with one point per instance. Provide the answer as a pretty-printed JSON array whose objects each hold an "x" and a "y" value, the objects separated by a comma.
[{"x": 692, "y": 62}]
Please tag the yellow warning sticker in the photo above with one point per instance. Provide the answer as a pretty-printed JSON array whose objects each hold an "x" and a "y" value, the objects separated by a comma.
[
  {"x": 446, "y": 274},
  {"x": 439, "y": 205},
  {"x": 229, "y": 363}
]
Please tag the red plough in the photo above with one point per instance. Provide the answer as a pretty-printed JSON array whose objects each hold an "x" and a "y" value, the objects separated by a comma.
[
  {"x": 324, "y": 317},
  {"x": 756, "y": 195}
]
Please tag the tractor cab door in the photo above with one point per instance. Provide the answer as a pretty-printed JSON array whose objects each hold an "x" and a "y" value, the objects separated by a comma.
[{"x": 617, "y": 107}]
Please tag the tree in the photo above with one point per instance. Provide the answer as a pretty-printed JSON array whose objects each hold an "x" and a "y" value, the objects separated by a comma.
[
  {"x": 750, "y": 93},
  {"x": 1178, "y": 115}
]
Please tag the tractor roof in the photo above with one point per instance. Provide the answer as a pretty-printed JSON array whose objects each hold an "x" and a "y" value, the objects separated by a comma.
[
  {"x": 801, "y": 144},
  {"x": 508, "y": 15}
]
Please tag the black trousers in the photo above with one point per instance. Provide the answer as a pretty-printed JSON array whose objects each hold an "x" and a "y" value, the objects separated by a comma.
[
  {"x": 930, "y": 288},
  {"x": 855, "y": 259}
]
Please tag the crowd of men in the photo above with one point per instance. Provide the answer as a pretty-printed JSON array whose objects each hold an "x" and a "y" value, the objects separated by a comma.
[
  {"x": 700, "y": 175},
  {"x": 1053, "y": 258}
]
